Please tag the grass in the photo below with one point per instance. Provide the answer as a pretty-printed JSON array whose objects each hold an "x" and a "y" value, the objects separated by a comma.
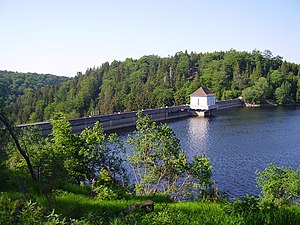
[
  {"x": 89, "y": 210},
  {"x": 74, "y": 204},
  {"x": 108, "y": 212}
]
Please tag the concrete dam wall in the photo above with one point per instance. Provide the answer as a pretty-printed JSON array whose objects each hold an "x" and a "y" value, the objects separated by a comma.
[
  {"x": 118, "y": 120},
  {"x": 226, "y": 104},
  {"x": 128, "y": 119}
]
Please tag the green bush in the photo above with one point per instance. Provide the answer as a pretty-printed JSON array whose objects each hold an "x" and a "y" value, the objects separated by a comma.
[
  {"x": 280, "y": 185},
  {"x": 4, "y": 177},
  {"x": 25, "y": 212},
  {"x": 7, "y": 207},
  {"x": 106, "y": 187},
  {"x": 246, "y": 204}
]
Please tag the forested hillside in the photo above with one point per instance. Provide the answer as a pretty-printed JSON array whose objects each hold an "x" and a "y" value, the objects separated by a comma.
[
  {"x": 153, "y": 81},
  {"x": 16, "y": 87},
  {"x": 17, "y": 84}
]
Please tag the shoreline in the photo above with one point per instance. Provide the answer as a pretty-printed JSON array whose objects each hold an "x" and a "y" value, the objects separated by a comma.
[{"x": 271, "y": 105}]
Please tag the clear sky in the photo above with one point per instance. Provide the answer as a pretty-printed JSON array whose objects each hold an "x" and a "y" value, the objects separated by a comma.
[{"x": 63, "y": 37}]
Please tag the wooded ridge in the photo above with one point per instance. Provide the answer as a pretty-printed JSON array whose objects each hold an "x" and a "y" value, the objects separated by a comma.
[{"x": 152, "y": 81}]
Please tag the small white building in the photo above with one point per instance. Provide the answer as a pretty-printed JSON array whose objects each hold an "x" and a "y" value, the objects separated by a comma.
[{"x": 203, "y": 99}]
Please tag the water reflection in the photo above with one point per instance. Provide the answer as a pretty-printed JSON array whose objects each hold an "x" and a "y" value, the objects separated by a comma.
[
  {"x": 241, "y": 141},
  {"x": 198, "y": 131}
]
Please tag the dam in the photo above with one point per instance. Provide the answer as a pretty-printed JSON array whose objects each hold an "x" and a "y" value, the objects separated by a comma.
[{"x": 121, "y": 120}]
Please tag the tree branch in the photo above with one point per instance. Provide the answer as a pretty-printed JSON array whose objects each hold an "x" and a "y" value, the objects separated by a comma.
[{"x": 4, "y": 120}]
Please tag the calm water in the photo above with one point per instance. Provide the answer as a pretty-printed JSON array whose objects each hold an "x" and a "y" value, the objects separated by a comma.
[{"x": 240, "y": 141}]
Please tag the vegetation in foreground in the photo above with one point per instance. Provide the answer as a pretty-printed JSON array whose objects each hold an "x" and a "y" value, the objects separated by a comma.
[
  {"x": 81, "y": 179},
  {"x": 72, "y": 205}
]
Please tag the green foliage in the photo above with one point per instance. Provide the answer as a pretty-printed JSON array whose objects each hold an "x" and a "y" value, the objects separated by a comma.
[
  {"x": 4, "y": 139},
  {"x": 30, "y": 213},
  {"x": 45, "y": 160},
  {"x": 73, "y": 208},
  {"x": 106, "y": 187},
  {"x": 229, "y": 94},
  {"x": 20, "y": 83},
  {"x": 166, "y": 216},
  {"x": 182, "y": 213},
  {"x": 149, "y": 82},
  {"x": 258, "y": 93},
  {"x": 245, "y": 205},
  {"x": 25, "y": 211},
  {"x": 6, "y": 208},
  {"x": 280, "y": 185},
  {"x": 283, "y": 93},
  {"x": 276, "y": 79},
  {"x": 67, "y": 156},
  {"x": 200, "y": 171},
  {"x": 26, "y": 94},
  {"x": 160, "y": 165},
  {"x": 84, "y": 155}
]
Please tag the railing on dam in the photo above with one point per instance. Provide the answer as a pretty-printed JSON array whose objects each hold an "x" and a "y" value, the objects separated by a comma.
[
  {"x": 118, "y": 120},
  {"x": 127, "y": 119}
]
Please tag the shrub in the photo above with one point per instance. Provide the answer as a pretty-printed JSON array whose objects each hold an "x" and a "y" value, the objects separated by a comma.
[
  {"x": 25, "y": 212},
  {"x": 280, "y": 185},
  {"x": 161, "y": 166},
  {"x": 246, "y": 204},
  {"x": 106, "y": 187},
  {"x": 6, "y": 208}
]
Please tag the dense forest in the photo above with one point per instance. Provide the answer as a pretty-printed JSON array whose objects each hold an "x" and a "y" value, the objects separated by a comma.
[
  {"x": 18, "y": 84},
  {"x": 154, "y": 81},
  {"x": 16, "y": 87}
]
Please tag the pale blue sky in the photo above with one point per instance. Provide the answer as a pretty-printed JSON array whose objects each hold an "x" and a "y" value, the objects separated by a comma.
[{"x": 63, "y": 37}]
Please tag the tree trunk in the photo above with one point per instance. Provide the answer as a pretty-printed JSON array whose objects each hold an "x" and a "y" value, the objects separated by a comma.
[
  {"x": 22, "y": 152},
  {"x": 147, "y": 206}
]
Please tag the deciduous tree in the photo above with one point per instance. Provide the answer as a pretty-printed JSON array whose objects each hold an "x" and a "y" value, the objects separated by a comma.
[
  {"x": 280, "y": 185},
  {"x": 160, "y": 165},
  {"x": 283, "y": 93}
]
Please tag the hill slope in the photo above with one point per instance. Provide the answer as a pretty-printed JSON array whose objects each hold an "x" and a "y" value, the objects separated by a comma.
[
  {"x": 15, "y": 85},
  {"x": 152, "y": 81}
]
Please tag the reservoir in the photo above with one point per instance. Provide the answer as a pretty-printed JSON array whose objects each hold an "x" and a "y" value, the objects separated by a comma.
[{"x": 240, "y": 141}]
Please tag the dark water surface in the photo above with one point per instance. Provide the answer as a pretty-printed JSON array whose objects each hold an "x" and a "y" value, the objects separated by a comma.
[{"x": 239, "y": 141}]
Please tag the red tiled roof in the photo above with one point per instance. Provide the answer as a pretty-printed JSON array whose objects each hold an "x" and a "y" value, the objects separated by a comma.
[{"x": 202, "y": 92}]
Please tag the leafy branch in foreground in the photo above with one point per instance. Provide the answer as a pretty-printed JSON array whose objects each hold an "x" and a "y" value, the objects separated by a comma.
[
  {"x": 84, "y": 155},
  {"x": 71, "y": 157},
  {"x": 160, "y": 165},
  {"x": 5, "y": 121},
  {"x": 280, "y": 185}
]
